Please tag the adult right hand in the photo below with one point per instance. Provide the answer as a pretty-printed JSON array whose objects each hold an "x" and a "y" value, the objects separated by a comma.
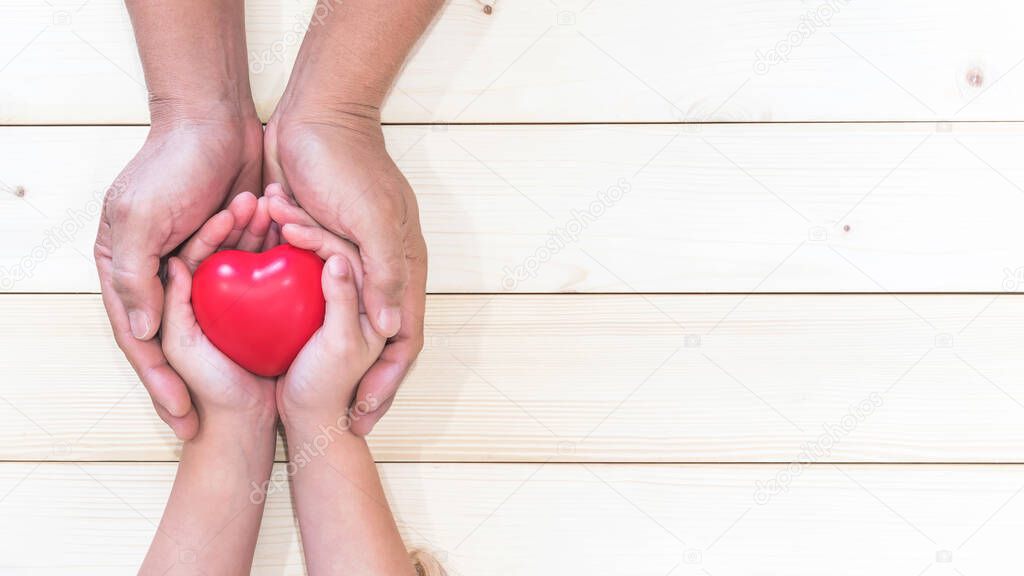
[{"x": 183, "y": 174}]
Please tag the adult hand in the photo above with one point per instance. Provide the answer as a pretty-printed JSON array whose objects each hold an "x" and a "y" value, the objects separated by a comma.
[
  {"x": 337, "y": 168},
  {"x": 182, "y": 175}
]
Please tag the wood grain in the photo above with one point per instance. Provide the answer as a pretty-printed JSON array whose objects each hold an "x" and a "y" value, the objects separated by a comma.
[
  {"x": 533, "y": 519},
  {"x": 577, "y": 60},
  {"x": 726, "y": 208},
  {"x": 598, "y": 378}
]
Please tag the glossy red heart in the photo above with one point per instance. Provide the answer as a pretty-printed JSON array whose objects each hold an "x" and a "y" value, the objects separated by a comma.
[{"x": 260, "y": 309}]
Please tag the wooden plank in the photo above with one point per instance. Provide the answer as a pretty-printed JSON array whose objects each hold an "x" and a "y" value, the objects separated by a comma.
[
  {"x": 570, "y": 519},
  {"x": 577, "y": 60},
  {"x": 598, "y": 378},
  {"x": 728, "y": 208}
]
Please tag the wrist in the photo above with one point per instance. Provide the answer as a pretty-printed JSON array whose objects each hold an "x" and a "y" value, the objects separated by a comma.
[
  {"x": 305, "y": 414},
  {"x": 245, "y": 427},
  {"x": 321, "y": 82},
  {"x": 229, "y": 112},
  {"x": 307, "y": 424},
  {"x": 222, "y": 130},
  {"x": 309, "y": 438},
  {"x": 351, "y": 117}
]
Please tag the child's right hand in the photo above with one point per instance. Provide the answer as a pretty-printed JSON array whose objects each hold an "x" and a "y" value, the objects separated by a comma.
[{"x": 221, "y": 390}]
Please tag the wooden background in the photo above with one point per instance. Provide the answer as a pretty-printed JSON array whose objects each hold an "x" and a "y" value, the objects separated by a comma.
[{"x": 717, "y": 288}]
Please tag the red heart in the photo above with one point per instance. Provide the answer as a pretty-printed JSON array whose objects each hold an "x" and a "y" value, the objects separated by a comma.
[{"x": 260, "y": 309}]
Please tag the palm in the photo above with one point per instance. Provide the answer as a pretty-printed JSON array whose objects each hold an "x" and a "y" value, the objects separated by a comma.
[
  {"x": 297, "y": 387},
  {"x": 231, "y": 387}
]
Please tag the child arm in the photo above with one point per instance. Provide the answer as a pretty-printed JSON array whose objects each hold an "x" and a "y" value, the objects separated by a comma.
[
  {"x": 212, "y": 518},
  {"x": 346, "y": 524},
  {"x": 211, "y": 522}
]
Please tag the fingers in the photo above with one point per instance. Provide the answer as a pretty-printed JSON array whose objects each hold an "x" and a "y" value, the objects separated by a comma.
[
  {"x": 134, "y": 280},
  {"x": 277, "y": 189},
  {"x": 383, "y": 254},
  {"x": 165, "y": 387},
  {"x": 325, "y": 245},
  {"x": 380, "y": 383},
  {"x": 242, "y": 208},
  {"x": 163, "y": 383},
  {"x": 366, "y": 415},
  {"x": 341, "y": 322},
  {"x": 207, "y": 240},
  {"x": 256, "y": 232},
  {"x": 184, "y": 427},
  {"x": 284, "y": 211},
  {"x": 133, "y": 298},
  {"x": 273, "y": 237},
  {"x": 178, "y": 313}
]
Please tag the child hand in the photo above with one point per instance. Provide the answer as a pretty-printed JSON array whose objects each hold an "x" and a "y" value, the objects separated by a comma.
[
  {"x": 220, "y": 389},
  {"x": 320, "y": 385}
]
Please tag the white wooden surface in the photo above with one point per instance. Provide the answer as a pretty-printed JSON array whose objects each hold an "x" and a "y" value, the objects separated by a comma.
[
  {"x": 598, "y": 378},
  {"x": 611, "y": 208},
  {"x": 68, "y": 61},
  {"x": 571, "y": 519},
  {"x": 617, "y": 431}
]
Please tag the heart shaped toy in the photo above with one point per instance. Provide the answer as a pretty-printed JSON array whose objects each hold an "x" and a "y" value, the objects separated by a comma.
[{"x": 260, "y": 309}]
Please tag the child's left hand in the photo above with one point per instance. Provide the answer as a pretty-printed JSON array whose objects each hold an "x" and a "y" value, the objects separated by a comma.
[{"x": 221, "y": 390}]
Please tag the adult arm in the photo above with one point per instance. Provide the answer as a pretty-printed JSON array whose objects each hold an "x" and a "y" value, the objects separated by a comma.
[{"x": 325, "y": 144}]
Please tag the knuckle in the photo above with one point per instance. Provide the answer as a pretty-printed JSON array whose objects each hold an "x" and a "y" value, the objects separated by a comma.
[
  {"x": 392, "y": 281},
  {"x": 146, "y": 375},
  {"x": 116, "y": 207},
  {"x": 415, "y": 246},
  {"x": 124, "y": 279},
  {"x": 100, "y": 250},
  {"x": 384, "y": 199}
]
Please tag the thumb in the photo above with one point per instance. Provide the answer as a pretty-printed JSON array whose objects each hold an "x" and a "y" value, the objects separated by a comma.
[
  {"x": 386, "y": 277},
  {"x": 137, "y": 284}
]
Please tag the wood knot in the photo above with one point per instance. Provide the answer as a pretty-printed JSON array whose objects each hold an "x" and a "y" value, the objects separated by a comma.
[
  {"x": 488, "y": 9},
  {"x": 975, "y": 78}
]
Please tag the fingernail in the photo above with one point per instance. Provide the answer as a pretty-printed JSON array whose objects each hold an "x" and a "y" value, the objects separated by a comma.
[
  {"x": 139, "y": 322},
  {"x": 337, "y": 267},
  {"x": 390, "y": 321}
]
